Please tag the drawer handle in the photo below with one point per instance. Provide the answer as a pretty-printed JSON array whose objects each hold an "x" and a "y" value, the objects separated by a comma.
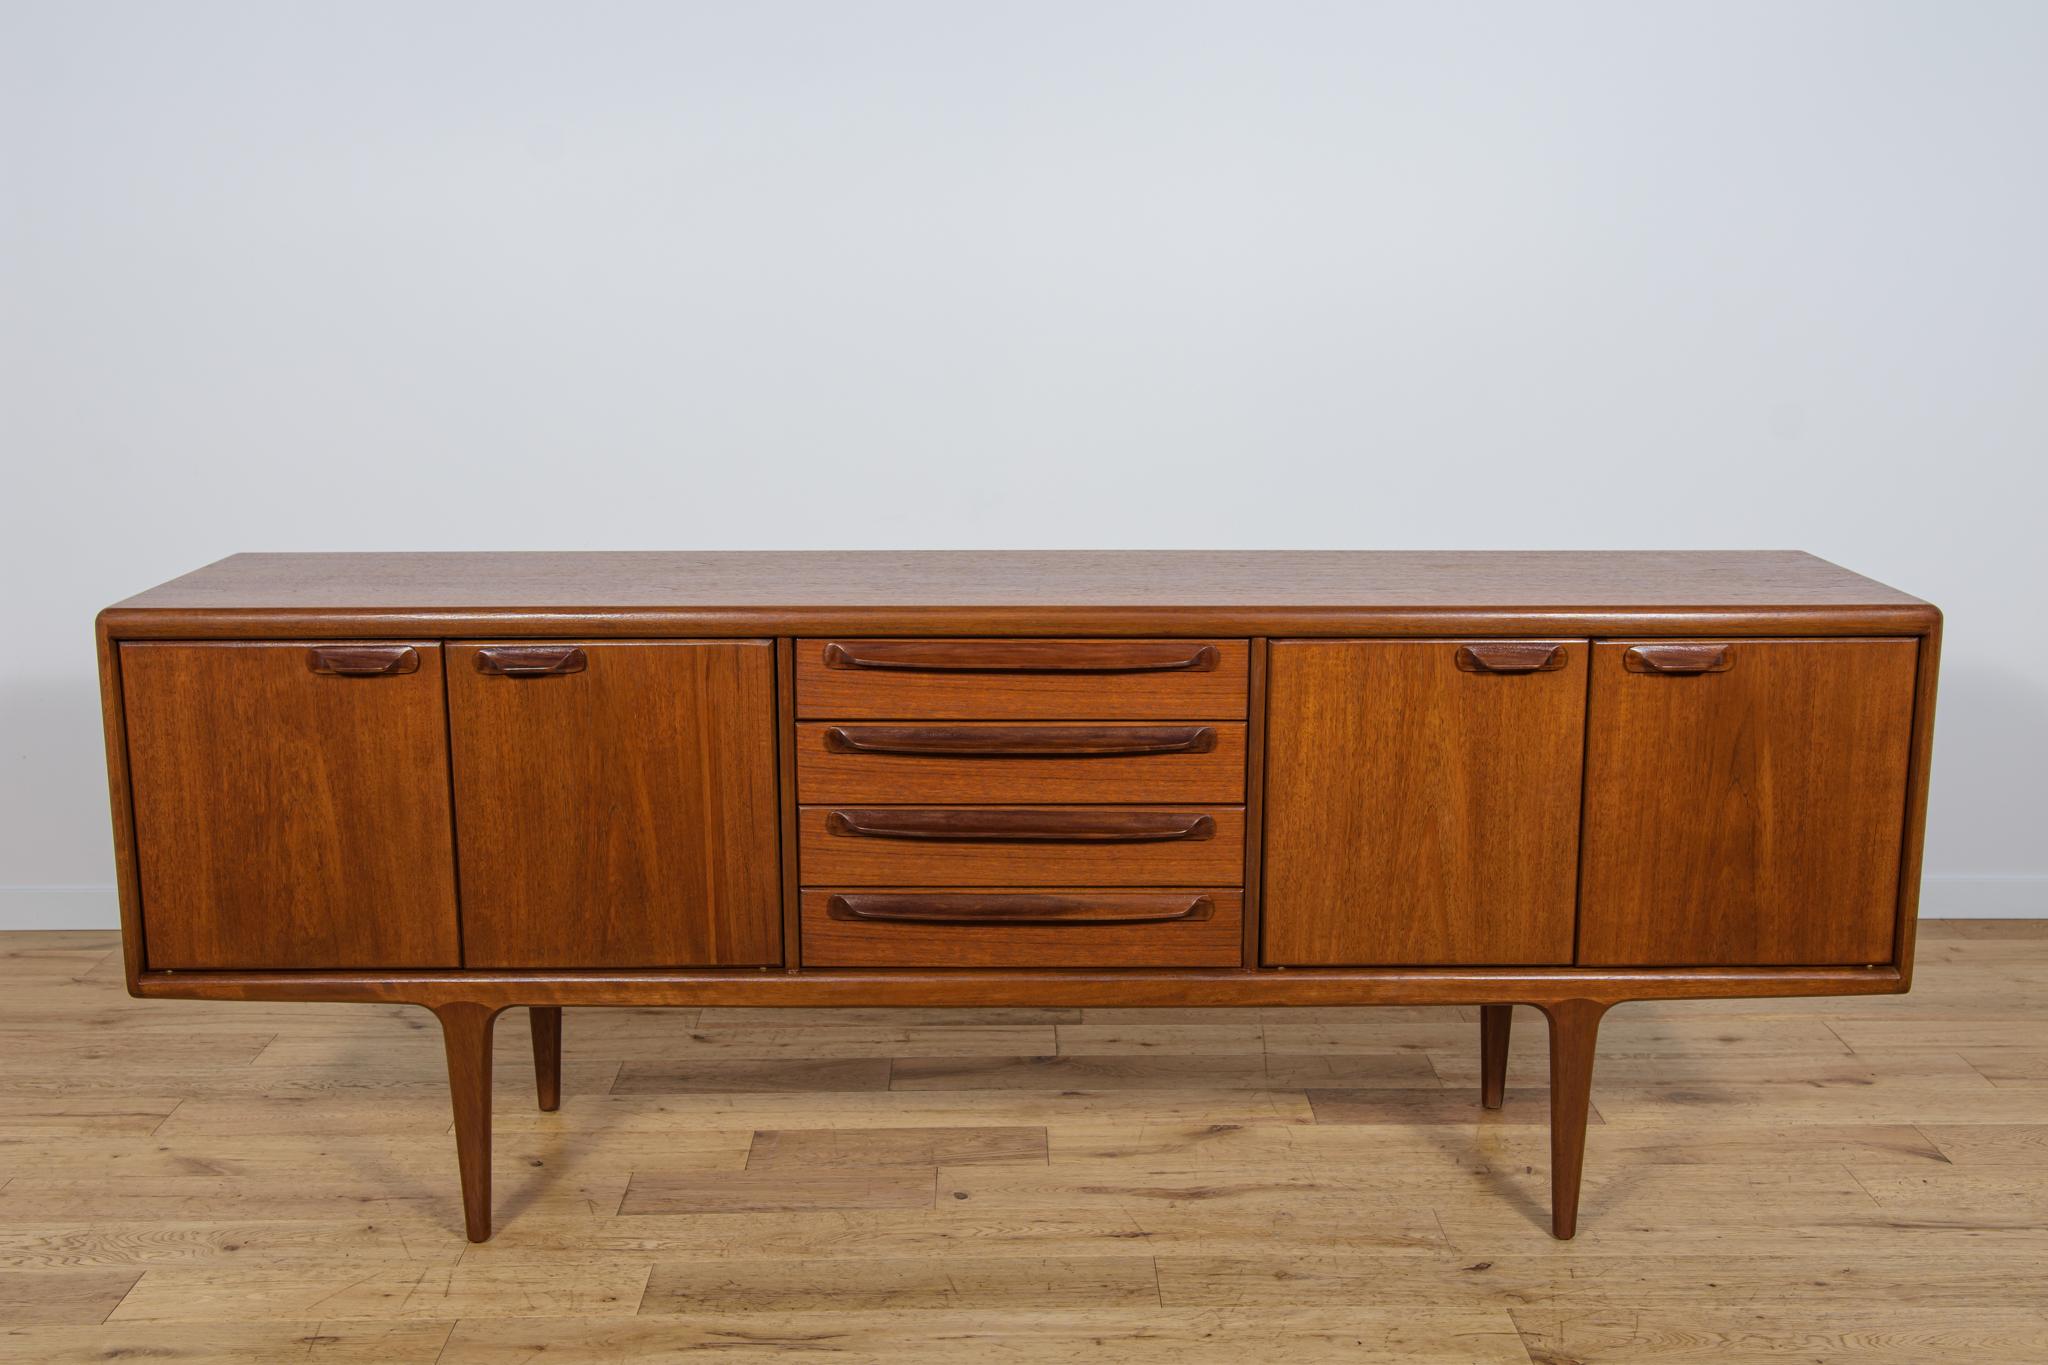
[
  {"x": 1024, "y": 826},
  {"x": 531, "y": 661},
  {"x": 1022, "y": 656},
  {"x": 1020, "y": 741},
  {"x": 1678, "y": 659},
  {"x": 363, "y": 661},
  {"x": 970, "y": 909},
  {"x": 1510, "y": 656}
]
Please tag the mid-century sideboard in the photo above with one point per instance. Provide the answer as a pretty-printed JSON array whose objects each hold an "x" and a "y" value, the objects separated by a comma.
[{"x": 472, "y": 781}]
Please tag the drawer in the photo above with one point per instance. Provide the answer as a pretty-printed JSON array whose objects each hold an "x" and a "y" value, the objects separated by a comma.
[
  {"x": 961, "y": 764},
  {"x": 1021, "y": 679},
  {"x": 1013, "y": 845},
  {"x": 1022, "y": 928}
]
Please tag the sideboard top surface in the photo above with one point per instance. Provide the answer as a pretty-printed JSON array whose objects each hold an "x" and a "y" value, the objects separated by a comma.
[{"x": 1084, "y": 580}]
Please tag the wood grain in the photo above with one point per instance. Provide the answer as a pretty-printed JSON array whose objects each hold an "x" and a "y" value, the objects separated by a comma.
[
  {"x": 673, "y": 745},
  {"x": 1212, "y": 855},
  {"x": 285, "y": 817},
  {"x": 1212, "y": 941},
  {"x": 826, "y": 773},
  {"x": 850, "y": 581},
  {"x": 1419, "y": 812},
  {"x": 1099, "y": 680},
  {"x": 1774, "y": 1198},
  {"x": 1751, "y": 815}
]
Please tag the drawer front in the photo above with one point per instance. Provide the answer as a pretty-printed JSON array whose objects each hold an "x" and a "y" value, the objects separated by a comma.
[
  {"x": 869, "y": 927},
  {"x": 948, "y": 763},
  {"x": 1021, "y": 679},
  {"x": 1011, "y": 845}
]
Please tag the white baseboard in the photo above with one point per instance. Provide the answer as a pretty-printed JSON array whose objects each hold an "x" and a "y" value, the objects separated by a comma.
[
  {"x": 1942, "y": 896},
  {"x": 59, "y": 907},
  {"x": 1958, "y": 895}
]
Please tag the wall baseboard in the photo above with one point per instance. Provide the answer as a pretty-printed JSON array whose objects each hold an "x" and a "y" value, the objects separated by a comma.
[
  {"x": 59, "y": 907},
  {"x": 1942, "y": 896},
  {"x": 1957, "y": 895}
]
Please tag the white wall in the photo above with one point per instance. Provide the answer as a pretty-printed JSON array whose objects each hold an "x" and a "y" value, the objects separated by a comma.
[{"x": 514, "y": 274}]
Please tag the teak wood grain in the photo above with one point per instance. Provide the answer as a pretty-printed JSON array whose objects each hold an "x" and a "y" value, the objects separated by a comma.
[
  {"x": 1212, "y": 939},
  {"x": 1418, "y": 810},
  {"x": 1158, "y": 845},
  {"x": 1208, "y": 767},
  {"x": 627, "y": 766},
  {"x": 898, "y": 679},
  {"x": 288, "y": 816},
  {"x": 1750, "y": 815},
  {"x": 623, "y": 815}
]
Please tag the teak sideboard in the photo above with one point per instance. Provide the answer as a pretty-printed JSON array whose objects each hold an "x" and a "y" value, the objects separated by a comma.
[{"x": 472, "y": 781}]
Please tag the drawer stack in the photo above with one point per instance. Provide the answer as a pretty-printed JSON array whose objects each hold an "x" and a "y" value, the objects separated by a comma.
[{"x": 1021, "y": 803}]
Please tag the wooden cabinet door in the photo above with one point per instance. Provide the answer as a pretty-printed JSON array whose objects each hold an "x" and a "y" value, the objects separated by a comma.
[
  {"x": 1422, "y": 801},
  {"x": 291, "y": 805},
  {"x": 616, "y": 803},
  {"x": 1745, "y": 801}
]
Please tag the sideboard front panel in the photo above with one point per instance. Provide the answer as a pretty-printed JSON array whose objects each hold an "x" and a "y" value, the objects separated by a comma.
[
  {"x": 1422, "y": 801},
  {"x": 616, "y": 807},
  {"x": 291, "y": 805},
  {"x": 1745, "y": 801}
]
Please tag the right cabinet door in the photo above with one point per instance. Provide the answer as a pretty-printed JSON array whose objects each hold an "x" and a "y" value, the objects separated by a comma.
[
  {"x": 1745, "y": 801},
  {"x": 1422, "y": 801}
]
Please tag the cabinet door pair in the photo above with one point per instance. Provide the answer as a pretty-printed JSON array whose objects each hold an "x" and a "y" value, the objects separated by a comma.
[
  {"x": 309, "y": 805},
  {"x": 1641, "y": 803}
]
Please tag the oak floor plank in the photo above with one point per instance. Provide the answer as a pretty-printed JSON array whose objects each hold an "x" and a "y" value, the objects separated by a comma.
[
  {"x": 1902, "y": 1336},
  {"x": 1065, "y": 1336},
  {"x": 219, "y": 1343},
  {"x": 923, "y": 1283},
  {"x": 777, "y": 1191},
  {"x": 725, "y": 1075},
  {"x": 380, "y": 1291},
  {"x": 826, "y": 1148},
  {"x": 61, "y": 1297}
]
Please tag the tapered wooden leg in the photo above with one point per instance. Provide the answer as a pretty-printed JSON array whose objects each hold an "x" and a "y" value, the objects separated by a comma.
[
  {"x": 547, "y": 1053},
  {"x": 1574, "y": 1033},
  {"x": 1495, "y": 1023},
  {"x": 466, "y": 1031}
]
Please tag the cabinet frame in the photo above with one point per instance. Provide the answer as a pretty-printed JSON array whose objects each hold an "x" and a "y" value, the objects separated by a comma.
[{"x": 1763, "y": 595}]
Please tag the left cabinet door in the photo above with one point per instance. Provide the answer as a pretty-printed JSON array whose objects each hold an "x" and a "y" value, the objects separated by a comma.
[
  {"x": 291, "y": 804},
  {"x": 616, "y": 803}
]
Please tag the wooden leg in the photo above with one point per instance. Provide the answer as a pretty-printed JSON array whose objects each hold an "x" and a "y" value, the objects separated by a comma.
[
  {"x": 1495, "y": 1023},
  {"x": 547, "y": 1053},
  {"x": 1574, "y": 1033},
  {"x": 466, "y": 1031}
]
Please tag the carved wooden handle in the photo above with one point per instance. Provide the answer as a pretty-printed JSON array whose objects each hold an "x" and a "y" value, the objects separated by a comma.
[
  {"x": 1678, "y": 659},
  {"x": 1021, "y": 741},
  {"x": 531, "y": 661},
  {"x": 363, "y": 661},
  {"x": 1110, "y": 908},
  {"x": 1032, "y": 826},
  {"x": 1510, "y": 656},
  {"x": 1021, "y": 656}
]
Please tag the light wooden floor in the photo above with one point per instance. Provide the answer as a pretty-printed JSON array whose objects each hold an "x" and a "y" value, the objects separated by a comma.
[{"x": 1850, "y": 1180}]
